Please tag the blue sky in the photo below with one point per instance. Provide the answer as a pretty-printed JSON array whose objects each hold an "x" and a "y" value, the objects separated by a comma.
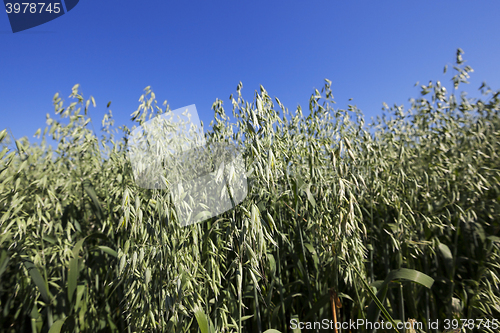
[{"x": 193, "y": 52}]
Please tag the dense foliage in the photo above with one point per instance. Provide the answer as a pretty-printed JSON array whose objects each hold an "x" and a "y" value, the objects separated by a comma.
[{"x": 333, "y": 206}]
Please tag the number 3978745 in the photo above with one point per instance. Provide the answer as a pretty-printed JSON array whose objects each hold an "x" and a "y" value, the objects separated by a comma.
[{"x": 32, "y": 7}]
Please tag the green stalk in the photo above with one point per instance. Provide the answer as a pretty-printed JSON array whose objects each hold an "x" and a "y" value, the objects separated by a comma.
[
  {"x": 50, "y": 319},
  {"x": 400, "y": 261},
  {"x": 302, "y": 244},
  {"x": 402, "y": 305},
  {"x": 455, "y": 249},
  {"x": 240, "y": 272},
  {"x": 427, "y": 312},
  {"x": 278, "y": 261},
  {"x": 240, "y": 268},
  {"x": 257, "y": 310},
  {"x": 376, "y": 300}
]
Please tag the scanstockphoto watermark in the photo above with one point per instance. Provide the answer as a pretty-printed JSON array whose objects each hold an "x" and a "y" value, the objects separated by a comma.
[
  {"x": 327, "y": 324},
  {"x": 169, "y": 152}
]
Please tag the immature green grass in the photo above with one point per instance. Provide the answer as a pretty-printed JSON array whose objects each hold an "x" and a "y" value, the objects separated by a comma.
[{"x": 399, "y": 219}]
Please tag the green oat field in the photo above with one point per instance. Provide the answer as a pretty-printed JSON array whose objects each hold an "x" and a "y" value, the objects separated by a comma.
[{"x": 391, "y": 220}]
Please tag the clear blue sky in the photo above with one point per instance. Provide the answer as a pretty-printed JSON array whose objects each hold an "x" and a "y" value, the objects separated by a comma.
[{"x": 192, "y": 52}]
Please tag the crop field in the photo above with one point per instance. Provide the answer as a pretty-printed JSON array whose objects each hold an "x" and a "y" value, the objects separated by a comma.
[{"x": 392, "y": 222}]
